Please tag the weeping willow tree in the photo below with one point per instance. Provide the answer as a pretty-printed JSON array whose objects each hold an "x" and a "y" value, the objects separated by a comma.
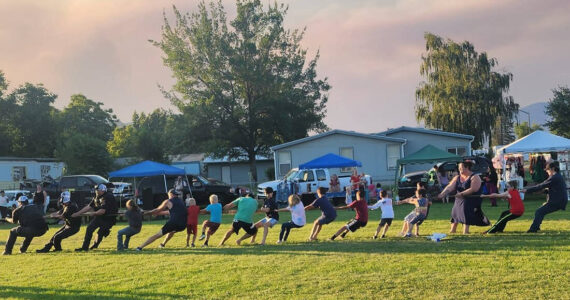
[{"x": 461, "y": 92}]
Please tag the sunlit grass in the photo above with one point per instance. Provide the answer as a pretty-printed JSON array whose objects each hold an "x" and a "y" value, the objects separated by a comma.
[{"x": 512, "y": 265}]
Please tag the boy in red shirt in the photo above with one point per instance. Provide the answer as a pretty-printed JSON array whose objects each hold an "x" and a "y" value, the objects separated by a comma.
[
  {"x": 517, "y": 207},
  {"x": 192, "y": 221},
  {"x": 361, "y": 218}
]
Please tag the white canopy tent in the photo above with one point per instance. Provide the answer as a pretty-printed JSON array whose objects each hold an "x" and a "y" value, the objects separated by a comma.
[{"x": 536, "y": 142}]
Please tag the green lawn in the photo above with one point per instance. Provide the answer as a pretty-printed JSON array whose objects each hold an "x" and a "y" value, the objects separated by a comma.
[{"x": 512, "y": 265}]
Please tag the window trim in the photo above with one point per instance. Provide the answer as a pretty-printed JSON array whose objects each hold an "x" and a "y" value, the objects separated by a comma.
[
  {"x": 279, "y": 162},
  {"x": 388, "y": 167},
  {"x": 346, "y": 169}
]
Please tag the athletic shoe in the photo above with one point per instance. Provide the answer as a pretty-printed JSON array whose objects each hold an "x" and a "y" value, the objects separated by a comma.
[
  {"x": 205, "y": 246},
  {"x": 161, "y": 245},
  {"x": 81, "y": 249},
  {"x": 43, "y": 250},
  {"x": 203, "y": 236},
  {"x": 139, "y": 249},
  {"x": 6, "y": 253},
  {"x": 374, "y": 237},
  {"x": 531, "y": 231},
  {"x": 193, "y": 246},
  {"x": 408, "y": 235}
]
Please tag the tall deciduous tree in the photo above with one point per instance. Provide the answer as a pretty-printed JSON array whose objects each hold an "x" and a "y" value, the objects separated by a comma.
[
  {"x": 502, "y": 133},
  {"x": 246, "y": 82},
  {"x": 34, "y": 118},
  {"x": 558, "y": 108},
  {"x": 461, "y": 92},
  {"x": 85, "y": 128}
]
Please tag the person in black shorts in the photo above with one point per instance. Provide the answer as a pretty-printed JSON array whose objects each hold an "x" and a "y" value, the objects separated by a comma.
[
  {"x": 104, "y": 207},
  {"x": 31, "y": 224},
  {"x": 173, "y": 206},
  {"x": 361, "y": 218},
  {"x": 70, "y": 227}
]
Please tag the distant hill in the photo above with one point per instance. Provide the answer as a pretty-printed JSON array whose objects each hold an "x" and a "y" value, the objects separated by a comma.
[{"x": 537, "y": 114}]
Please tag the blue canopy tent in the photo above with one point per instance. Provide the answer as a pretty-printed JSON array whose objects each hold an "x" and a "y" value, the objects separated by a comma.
[
  {"x": 330, "y": 160},
  {"x": 149, "y": 168}
]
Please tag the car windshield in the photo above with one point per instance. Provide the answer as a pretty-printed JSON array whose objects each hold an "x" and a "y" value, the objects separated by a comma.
[
  {"x": 291, "y": 175},
  {"x": 98, "y": 179},
  {"x": 202, "y": 179}
]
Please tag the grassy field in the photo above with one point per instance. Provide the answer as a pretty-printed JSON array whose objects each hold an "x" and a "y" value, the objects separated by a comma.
[{"x": 512, "y": 265}]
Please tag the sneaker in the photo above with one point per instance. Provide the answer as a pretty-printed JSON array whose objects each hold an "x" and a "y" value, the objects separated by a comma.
[
  {"x": 193, "y": 246},
  {"x": 161, "y": 245},
  {"x": 205, "y": 246},
  {"x": 383, "y": 236},
  {"x": 203, "y": 236},
  {"x": 81, "y": 249},
  {"x": 408, "y": 235},
  {"x": 374, "y": 237},
  {"x": 531, "y": 231},
  {"x": 139, "y": 249},
  {"x": 43, "y": 250},
  {"x": 279, "y": 242},
  {"x": 94, "y": 246},
  {"x": 6, "y": 253}
]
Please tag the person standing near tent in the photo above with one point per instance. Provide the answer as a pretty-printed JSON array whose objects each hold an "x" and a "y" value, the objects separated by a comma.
[
  {"x": 104, "y": 207},
  {"x": 557, "y": 195},
  {"x": 467, "y": 206}
]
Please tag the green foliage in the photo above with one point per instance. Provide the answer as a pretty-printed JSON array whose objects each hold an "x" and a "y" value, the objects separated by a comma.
[
  {"x": 243, "y": 84},
  {"x": 32, "y": 123},
  {"x": 147, "y": 138},
  {"x": 502, "y": 133},
  {"x": 461, "y": 93},
  {"x": 510, "y": 265},
  {"x": 84, "y": 154},
  {"x": 558, "y": 108},
  {"x": 270, "y": 173},
  {"x": 523, "y": 129}
]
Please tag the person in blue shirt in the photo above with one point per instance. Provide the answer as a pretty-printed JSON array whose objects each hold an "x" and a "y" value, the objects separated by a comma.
[
  {"x": 327, "y": 209},
  {"x": 215, "y": 211}
]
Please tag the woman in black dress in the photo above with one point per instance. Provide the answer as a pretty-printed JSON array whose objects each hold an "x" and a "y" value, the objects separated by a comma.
[{"x": 467, "y": 206}]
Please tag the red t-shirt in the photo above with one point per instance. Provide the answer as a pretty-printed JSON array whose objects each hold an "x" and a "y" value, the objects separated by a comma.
[
  {"x": 517, "y": 206},
  {"x": 355, "y": 180},
  {"x": 361, "y": 208},
  {"x": 193, "y": 212}
]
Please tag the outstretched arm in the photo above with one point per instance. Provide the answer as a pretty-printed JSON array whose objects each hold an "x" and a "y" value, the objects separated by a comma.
[{"x": 496, "y": 195}]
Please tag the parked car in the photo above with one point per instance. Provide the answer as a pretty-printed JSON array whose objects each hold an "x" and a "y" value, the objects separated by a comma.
[
  {"x": 81, "y": 187},
  {"x": 203, "y": 187},
  {"x": 123, "y": 191},
  {"x": 306, "y": 181},
  {"x": 12, "y": 196}
]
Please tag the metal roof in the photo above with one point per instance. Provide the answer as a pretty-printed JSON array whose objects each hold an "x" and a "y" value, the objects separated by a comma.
[
  {"x": 425, "y": 130},
  {"x": 337, "y": 131}
]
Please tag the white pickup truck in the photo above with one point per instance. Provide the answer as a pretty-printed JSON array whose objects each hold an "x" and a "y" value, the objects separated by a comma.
[{"x": 304, "y": 181}]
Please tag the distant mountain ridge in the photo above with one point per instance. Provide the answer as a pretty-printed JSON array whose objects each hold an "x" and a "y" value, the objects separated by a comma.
[{"x": 537, "y": 114}]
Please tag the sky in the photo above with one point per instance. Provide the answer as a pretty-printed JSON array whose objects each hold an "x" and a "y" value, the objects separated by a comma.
[{"x": 370, "y": 50}]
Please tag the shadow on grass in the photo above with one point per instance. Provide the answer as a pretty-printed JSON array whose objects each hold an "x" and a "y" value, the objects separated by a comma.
[
  {"x": 473, "y": 244},
  {"x": 64, "y": 293}
]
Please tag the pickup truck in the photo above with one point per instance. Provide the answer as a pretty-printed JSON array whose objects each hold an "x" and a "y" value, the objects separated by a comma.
[{"x": 304, "y": 181}]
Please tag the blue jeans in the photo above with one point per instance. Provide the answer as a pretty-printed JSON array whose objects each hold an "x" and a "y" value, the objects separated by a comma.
[{"x": 127, "y": 232}]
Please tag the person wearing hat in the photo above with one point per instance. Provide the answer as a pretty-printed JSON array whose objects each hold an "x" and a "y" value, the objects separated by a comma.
[
  {"x": 173, "y": 206},
  {"x": 70, "y": 227},
  {"x": 31, "y": 224},
  {"x": 557, "y": 195},
  {"x": 104, "y": 208}
]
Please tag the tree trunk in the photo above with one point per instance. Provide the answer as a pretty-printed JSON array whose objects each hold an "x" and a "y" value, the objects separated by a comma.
[{"x": 252, "y": 166}]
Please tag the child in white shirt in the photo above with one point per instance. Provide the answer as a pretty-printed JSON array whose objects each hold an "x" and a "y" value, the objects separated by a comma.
[{"x": 385, "y": 204}]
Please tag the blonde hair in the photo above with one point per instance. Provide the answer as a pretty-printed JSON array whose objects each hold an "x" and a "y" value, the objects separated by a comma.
[
  {"x": 132, "y": 205},
  {"x": 213, "y": 198},
  {"x": 190, "y": 201},
  {"x": 294, "y": 200}
]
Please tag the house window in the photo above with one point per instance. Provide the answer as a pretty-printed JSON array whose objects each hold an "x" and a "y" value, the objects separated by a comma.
[
  {"x": 321, "y": 175},
  {"x": 284, "y": 159},
  {"x": 461, "y": 151},
  {"x": 392, "y": 156},
  {"x": 18, "y": 173},
  {"x": 347, "y": 152}
]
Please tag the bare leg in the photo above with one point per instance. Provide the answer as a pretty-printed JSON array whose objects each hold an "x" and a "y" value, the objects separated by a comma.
[
  {"x": 377, "y": 231},
  {"x": 318, "y": 230},
  {"x": 193, "y": 239},
  {"x": 410, "y": 227},
  {"x": 453, "y": 228},
  {"x": 188, "y": 239},
  {"x": 208, "y": 235},
  {"x": 340, "y": 231},
  {"x": 227, "y": 236},
  {"x": 465, "y": 229},
  {"x": 167, "y": 238},
  {"x": 245, "y": 236},
  {"x": 384, "y": 231},
  {"x": 404, "y": 228},
  {"x": 151, "y": 239},
  {"x": 265, "y": 232},
  {"x": 257, "y": 225},
  {"x": 417, "y": 229},
  {"x": 313, "y": 230}
]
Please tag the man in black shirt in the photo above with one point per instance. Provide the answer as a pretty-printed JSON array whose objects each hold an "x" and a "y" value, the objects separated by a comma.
[
  {"x": 70, "y": 227},
  {"x": 104, "y": 208},
  {"x": 271, "y": 215},
  {"x": 31, "y": 222},
  {"x": 557, "y": 195}
]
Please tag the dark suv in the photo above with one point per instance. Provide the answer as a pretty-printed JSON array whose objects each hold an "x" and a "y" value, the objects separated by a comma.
[
  {"x": 81, "y": 187},
  {"x": 203, "y": 187}
]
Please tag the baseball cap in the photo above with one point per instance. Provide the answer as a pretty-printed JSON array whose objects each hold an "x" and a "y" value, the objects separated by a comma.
[
  {"x": 101, "y": 187},
  {"x": 23, "y": 199},
  {"x": 173, "y": 191},
  {"x": 65, "y": 197}
]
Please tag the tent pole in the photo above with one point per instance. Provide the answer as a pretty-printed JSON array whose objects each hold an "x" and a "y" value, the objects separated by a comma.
[
  {"x": 165, "y": 187},
  {"x": 188, "y": 183}
]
